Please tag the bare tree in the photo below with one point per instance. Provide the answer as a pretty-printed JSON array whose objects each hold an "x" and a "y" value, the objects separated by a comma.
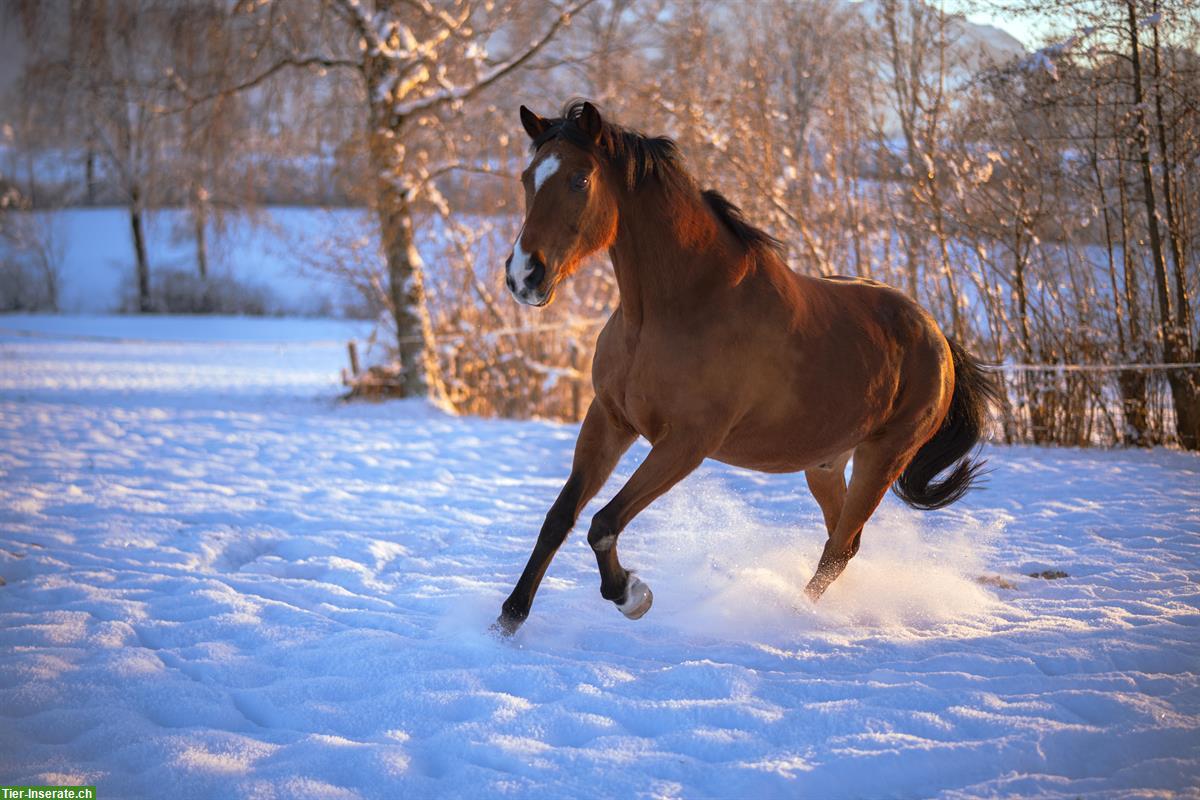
[
  {"x": 414, "y": 61},
  {"x": 917, "y": 42},
  {"x": 1173, "y": 323}
]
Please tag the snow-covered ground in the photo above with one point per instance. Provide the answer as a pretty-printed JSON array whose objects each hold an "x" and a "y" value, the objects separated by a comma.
[{"x": 221, "y": 582}]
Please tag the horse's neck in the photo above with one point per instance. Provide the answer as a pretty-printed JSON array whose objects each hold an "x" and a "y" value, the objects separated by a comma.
[{"x": 663, "y": 252}]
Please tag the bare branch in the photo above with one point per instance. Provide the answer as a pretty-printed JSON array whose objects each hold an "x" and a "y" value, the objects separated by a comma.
[
  {"x": 459, "y": 93},
  {"x": 353, "y": 12},
  {"x": 250, "y": 83}
]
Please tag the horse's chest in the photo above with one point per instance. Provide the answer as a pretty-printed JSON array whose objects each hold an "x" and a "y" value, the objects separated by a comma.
[
  {"x": 639, "y": 385},
  {"x": 619, "y": 388}
]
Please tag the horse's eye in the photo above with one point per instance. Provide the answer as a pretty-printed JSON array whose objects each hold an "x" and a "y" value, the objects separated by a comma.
[{"x": 580, "y": 181}]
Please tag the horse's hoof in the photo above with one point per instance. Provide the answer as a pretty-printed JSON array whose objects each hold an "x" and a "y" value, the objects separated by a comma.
[
  {"x": 638, "y": 598},
  {"x": 505, "y": 626}
]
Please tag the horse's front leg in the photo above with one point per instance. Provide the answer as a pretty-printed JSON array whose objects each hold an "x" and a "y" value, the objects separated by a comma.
[
  {"x": 669, "y": 461},
  {"x": 599, "y": 447}
]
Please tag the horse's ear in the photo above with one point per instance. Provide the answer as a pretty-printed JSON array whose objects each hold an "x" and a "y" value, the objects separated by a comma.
[
  {"x": 535, "y": 126},
  {"x": 590, "y": 122}
]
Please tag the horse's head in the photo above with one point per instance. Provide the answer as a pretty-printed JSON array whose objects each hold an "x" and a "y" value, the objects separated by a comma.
[{"x": 570, "y": 204}]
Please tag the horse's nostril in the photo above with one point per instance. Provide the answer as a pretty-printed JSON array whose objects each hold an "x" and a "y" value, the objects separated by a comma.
[
  {"x": 538, "y": 273},
  {"x": 509, "y": 282}
]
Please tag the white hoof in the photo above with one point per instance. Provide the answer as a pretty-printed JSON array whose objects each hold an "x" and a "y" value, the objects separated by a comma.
[{"x": 638, "y": 598}]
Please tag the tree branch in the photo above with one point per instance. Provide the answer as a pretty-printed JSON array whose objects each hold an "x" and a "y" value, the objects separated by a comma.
[
  {"x": 495, "y": 73},
  {"x": 353, "y": 12},
  {"x": 250, "y": 83}
]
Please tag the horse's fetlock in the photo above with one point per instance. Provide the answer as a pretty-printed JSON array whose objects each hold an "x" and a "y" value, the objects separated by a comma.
[{"x": 614, "y": 592}]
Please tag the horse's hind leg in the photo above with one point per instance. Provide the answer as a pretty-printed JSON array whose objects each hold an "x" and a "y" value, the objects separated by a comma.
[
  {"x": 876, "y": 466},
  {"x": 599, "y": 447},
  {"x": 828, "y": 487}
]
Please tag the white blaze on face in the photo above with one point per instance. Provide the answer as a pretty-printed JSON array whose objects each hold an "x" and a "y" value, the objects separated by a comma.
[
  {"x": 548, "y": 167},
  {"x": 519, "y": 268}
]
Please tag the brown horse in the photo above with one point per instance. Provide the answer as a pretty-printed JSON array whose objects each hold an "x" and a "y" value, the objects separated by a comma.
[{"x": 718, "y": 350}]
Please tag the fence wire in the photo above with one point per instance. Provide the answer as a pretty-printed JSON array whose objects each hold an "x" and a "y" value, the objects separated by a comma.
[{"x": 1054, "y": 403}]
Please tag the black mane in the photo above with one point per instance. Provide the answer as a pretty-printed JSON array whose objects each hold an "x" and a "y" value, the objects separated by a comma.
[
  {"x": 642, "y": 157},
  {"x": 755, "y": 239}
]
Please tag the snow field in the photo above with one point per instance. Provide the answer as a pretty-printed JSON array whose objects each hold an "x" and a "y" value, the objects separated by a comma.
[
  {"x": 219, "y": 581},
  {"x": 283, "y": 251},
  {"x": 94, "y": 251}
]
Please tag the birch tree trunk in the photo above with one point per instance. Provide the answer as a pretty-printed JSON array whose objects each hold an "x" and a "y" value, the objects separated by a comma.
[
  {"x": 415, "y": 343},
  {"x": 421, "y": 376}
]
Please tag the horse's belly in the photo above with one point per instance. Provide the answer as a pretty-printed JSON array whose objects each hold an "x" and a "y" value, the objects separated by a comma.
[{"x": 783, "y": 450}]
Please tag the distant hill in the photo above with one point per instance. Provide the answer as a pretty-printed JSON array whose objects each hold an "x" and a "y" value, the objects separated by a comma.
[{"x": 977, "y": 45}]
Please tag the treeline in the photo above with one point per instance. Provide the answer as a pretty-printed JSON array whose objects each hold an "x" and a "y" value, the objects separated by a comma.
[{"x": 1043, "y": 205}]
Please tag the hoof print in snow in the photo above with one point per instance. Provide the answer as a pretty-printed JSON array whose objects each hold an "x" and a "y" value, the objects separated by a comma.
[
  {"x": 997, "y": 581},
  {"x": 1049, "y": 574}
]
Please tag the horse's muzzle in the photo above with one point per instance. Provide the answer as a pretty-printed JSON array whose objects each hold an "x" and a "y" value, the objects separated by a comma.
[{"x": 527, "y": 285}]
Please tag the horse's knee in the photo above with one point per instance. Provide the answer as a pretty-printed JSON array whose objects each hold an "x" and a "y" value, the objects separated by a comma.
[{"x": 602, "y": 535}]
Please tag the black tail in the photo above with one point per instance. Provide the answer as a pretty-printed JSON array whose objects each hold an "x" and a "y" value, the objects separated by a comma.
[{"x": 974, "y": 391}]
